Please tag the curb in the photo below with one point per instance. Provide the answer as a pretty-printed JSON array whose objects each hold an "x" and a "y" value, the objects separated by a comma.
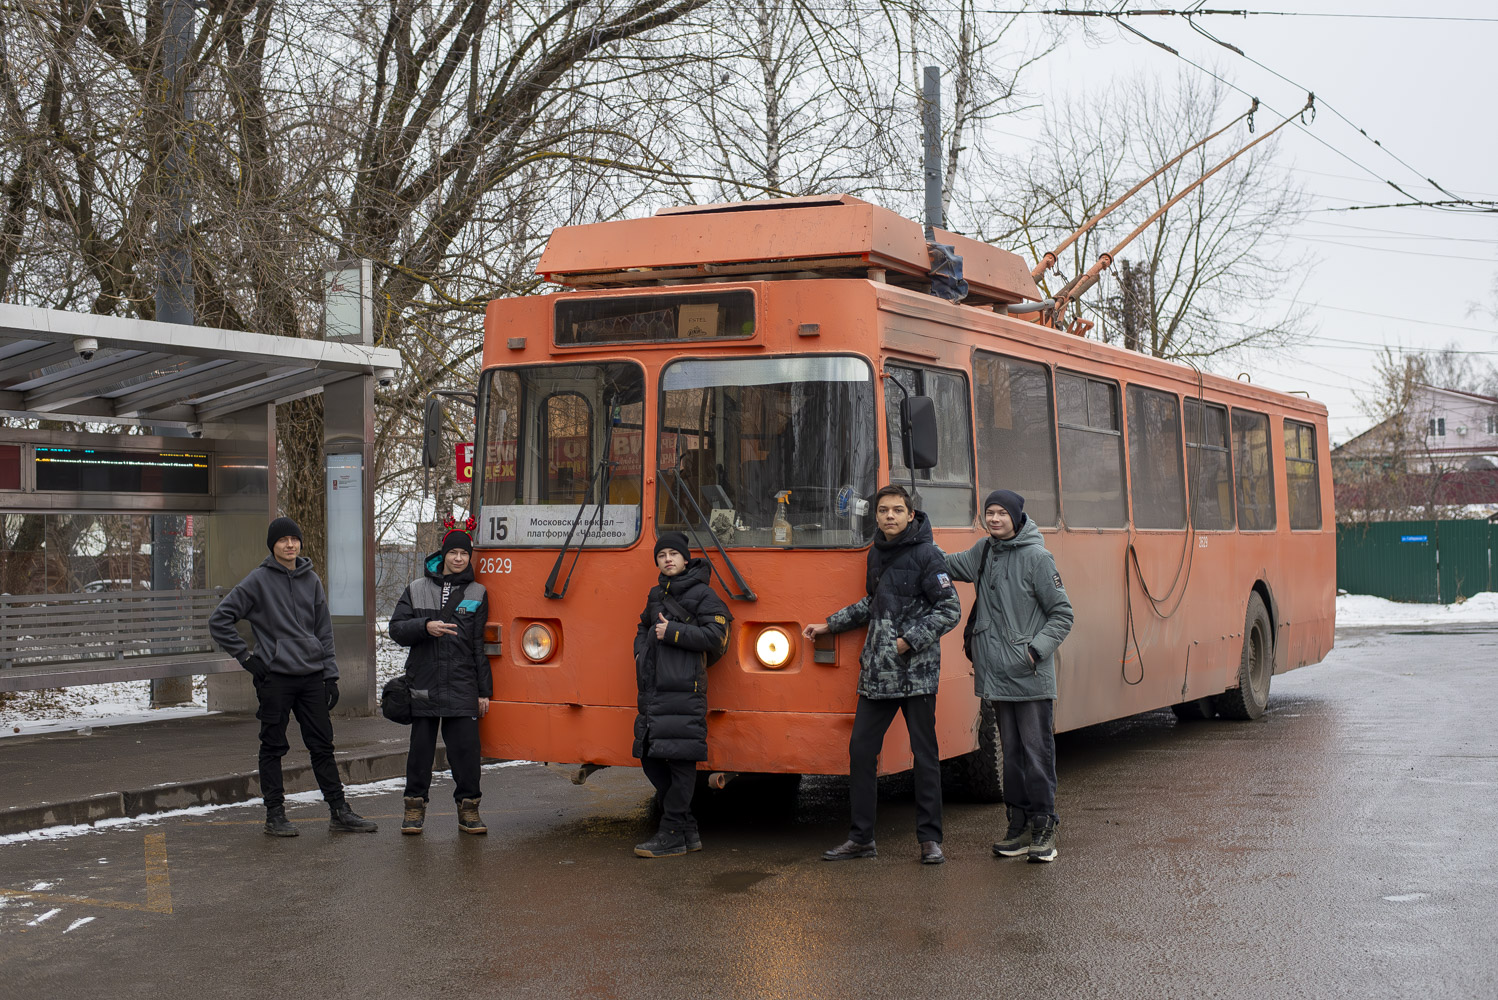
[{"x": 223, "y": 790}]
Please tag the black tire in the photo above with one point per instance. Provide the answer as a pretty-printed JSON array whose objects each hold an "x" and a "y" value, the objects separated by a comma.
[
  {"x": 1196, "y": 710},
  {"x": 979, "y": 776},
  {"x": 1255, "y": 666}
]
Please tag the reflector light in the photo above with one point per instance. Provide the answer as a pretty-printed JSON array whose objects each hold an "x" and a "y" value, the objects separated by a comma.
[
  {"x": 537, "y": 642},
  {"x": 773, "y": 647}
]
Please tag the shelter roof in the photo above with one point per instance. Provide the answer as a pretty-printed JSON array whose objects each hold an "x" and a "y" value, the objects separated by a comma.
[{"x": 160, "y": 373}]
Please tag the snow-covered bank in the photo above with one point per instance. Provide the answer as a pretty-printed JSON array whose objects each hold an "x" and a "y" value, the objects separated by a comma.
[{"x": 1362, "y": 610}]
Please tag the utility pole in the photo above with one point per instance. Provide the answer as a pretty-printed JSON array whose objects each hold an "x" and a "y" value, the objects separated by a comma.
[
  {"x": 1128, "y": 284},
  {"x": 931, "y": 137},
  {"x": 171, "y": 544}
]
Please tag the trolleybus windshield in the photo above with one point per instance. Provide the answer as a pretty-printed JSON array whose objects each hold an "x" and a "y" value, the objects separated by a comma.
[
  {"x": 560, "y": 439},
  {"x": 758, "y": 440}
]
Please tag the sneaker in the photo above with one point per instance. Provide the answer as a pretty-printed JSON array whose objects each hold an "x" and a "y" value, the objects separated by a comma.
[
  {"x": 345, "y": 820},
  {"x": 468, "y": 817},
  {"x": 1044, "y": 846},
  {"x": 1017, "y": 839},
  {"x": 415, "y": 816},
  {"x": 665, "y": 844},
  {"x": 931, "y": 853},
  {"x": 851, "y": 849},
  {"x": 277, "y": 825}
]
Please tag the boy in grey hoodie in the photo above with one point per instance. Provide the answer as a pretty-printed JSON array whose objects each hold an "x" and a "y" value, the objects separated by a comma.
[{"x": 293, "y": 668}]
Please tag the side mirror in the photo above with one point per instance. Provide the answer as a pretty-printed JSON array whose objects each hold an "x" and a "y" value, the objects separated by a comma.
[
  {"x": 431, "y": 433},
  {"x": 918, "y": 424}
]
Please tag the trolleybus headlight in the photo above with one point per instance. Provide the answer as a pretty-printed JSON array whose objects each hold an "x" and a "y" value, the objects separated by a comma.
[
  {"x": 537, "y": 642},
  {"x": 773, "y": 646}
]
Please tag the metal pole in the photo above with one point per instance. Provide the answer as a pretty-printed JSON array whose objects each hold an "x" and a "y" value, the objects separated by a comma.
[
  {"x": 171, "y": 548},
  {"x": 931, "y": 136}
]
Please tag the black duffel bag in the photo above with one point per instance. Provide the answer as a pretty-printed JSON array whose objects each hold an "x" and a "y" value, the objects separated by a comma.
[{"x": 395, "y": 700}]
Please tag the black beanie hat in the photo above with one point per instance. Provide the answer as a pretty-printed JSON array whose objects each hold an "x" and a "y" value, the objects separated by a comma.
[
  {"x": 672, "y": 540},
  {"x": 279, "y": 529},
  {"x": 1011, "y": 502},
  {"x": 456, "y": 539}
]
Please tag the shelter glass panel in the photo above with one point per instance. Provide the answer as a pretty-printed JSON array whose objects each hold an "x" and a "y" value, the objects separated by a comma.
[
  {"x": 1254, "y": 473},
  {"x": 1016, "y": 432},
  {"x": 1210, "y": 466},
  {"x": 1091, "y": 446},
  {"x": 945, "y": 492},
  {"x": 1157, "y": 487},
  {"x": 101, "y": 553},
  {"x": 1302, "y": 486}
]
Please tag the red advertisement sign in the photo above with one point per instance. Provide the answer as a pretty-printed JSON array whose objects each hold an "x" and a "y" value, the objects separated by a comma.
[{"x": 465, "y": 462}]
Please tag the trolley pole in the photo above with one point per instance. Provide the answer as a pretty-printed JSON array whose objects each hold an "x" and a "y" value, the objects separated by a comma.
[{"x": 931, "y": 137}]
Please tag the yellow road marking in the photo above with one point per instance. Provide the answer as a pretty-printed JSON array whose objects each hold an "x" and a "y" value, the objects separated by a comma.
[{"x": 158, "y": 885}]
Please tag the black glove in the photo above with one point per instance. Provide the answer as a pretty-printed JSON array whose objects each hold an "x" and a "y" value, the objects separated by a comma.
[
  {"x": 330, "y": 686},
  {"x": 256, "y": 666}
]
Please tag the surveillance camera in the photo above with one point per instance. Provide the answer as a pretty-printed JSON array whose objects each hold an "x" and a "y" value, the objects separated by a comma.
[
  {"x": 385, "y": 376},
  {"x": 196, "y": 430},
  {"x": 85, "y": 346}
]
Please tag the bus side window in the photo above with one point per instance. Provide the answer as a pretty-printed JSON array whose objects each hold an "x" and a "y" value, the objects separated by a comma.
[
  {"x": 946, "y": 491},
  {"x": 1209, "y": 466},
  {"x": 1016, "y": 432},
  {"x": 1300, "y": 476},
  {"x": 1157, "y": 487},
  {"x": 1254, "y": 473},
  {"x": 1092, "y": 477}
]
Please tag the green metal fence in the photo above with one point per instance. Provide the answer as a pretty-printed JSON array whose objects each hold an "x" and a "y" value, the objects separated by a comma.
[{"x": 1424, "y": 561}]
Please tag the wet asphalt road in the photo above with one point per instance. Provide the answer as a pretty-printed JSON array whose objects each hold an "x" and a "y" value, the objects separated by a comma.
[{"x": 1344, "y": 845}]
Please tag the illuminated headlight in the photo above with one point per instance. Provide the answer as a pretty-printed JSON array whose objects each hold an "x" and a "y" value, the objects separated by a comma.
[
  {"x": 773, "y": 646},
  {"x": 537, "y": 642}
]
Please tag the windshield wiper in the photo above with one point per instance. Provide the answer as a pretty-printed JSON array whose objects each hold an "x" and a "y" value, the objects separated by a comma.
[
  {"x": 681, "y": 489},
  {"x": 605, "y": 464}
]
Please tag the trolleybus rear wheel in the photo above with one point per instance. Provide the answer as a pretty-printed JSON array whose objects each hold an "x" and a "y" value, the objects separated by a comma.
[
  {"x": 979, "y": 775},
  {"x": 1255, "y": 666}
]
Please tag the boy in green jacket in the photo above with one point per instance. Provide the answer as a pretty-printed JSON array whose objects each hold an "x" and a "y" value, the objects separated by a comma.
[{"x": 1021, "y": 615}]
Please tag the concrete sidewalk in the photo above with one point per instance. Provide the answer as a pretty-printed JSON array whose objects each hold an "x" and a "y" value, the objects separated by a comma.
[{"x": 63, "y": 778}]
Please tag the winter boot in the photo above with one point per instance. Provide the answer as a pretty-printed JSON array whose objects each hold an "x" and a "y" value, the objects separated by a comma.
[
  {"x": 416, "y": 814},
  {"x": 1043, "y": 848},
  {"x": 693, "y": 839},
  {"x": 1016, "y": 842},
  {"x": 277, "y": 825},
  {"x": 345, "y": 820},
  {"x": 665, "y": 844},
  {"x": 468, "y": 817}
]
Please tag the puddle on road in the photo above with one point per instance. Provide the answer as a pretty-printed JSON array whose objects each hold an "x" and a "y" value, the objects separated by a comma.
[{"x": 738, "y": 881}]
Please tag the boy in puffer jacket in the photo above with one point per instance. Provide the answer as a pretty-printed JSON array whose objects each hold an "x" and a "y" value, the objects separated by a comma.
[
  {"x": 684, "y": 622},
  {"x": 910, "y": 604}
]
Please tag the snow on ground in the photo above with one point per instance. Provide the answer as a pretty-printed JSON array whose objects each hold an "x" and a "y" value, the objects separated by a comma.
[
  {"x": 150, "y": 819},
  {"x": 60, "y": 709},
  {"x": 1361, "y": 609}
]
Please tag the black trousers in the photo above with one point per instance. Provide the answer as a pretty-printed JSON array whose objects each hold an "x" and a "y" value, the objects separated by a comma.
[
  {"x": 870, "y": 722},
  {"x": 460, "y": 734},
  {"x": 281, "y": 696},
  {"x": 675, "y": 781},
  {"x": 1025, "y": 732}
]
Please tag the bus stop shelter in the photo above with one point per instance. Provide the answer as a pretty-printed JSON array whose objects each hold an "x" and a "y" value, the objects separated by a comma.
[{"x": 116, "y": 546}]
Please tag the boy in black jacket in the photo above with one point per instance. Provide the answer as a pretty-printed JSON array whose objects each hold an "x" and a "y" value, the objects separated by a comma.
[{"x": 683, "y": 622}]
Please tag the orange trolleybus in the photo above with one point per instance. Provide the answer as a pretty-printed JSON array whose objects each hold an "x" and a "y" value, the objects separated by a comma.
[{"x": 736, "y": 371}]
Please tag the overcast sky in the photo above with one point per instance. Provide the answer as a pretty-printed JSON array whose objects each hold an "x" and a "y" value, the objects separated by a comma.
[{"x": 1409, "y": 278}]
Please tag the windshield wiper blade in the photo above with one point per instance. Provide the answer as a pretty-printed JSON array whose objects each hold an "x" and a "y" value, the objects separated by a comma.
[
  {"x": 677, "y": 492},
  {"x": 605, "y": 465}
]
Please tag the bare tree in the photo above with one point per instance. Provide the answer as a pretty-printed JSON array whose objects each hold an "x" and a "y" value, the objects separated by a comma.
[{"x": 1209, "y": 264}]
